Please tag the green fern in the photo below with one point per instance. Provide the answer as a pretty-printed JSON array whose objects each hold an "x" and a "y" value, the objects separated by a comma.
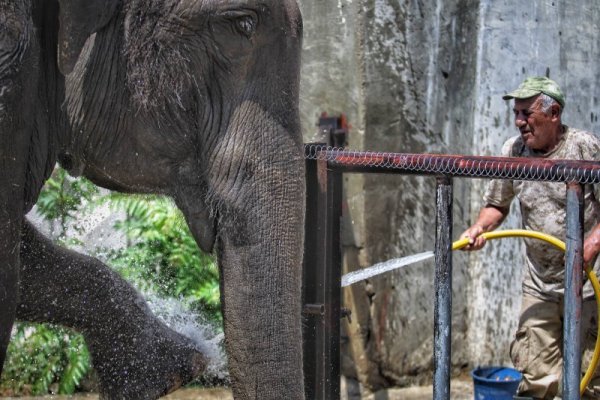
[
  {"x": 78, "y": 366},
  {"x": 62, "y": 198},
  {"x": 41, "y": 355}
]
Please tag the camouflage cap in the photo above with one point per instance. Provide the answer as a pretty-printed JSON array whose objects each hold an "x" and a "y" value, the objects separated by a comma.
[{"x": 535, "y": 85}]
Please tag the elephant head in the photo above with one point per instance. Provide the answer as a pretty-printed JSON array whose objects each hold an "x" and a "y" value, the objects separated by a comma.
[{"x": 197, "y": 100}]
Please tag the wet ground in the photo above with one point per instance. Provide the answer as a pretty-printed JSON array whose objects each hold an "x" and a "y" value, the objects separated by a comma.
[
  {"x": 461, "y": 389},
  {"x": 182, "y": 394}
]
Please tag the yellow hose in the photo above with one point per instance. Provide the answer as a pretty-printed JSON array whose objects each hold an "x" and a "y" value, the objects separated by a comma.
[{"x": 459, "y": 244}]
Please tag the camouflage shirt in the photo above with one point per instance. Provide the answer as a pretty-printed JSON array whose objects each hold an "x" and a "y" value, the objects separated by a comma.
[{"x": 543, "y": 208}]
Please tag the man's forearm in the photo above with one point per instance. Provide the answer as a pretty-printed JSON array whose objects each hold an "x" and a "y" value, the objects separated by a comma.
[
  {"x": 591, "y": 245},
  {"x": 490, "y": 217}
]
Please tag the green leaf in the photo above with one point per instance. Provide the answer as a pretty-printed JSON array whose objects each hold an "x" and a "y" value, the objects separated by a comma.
[{"x": 78, "y": 366}]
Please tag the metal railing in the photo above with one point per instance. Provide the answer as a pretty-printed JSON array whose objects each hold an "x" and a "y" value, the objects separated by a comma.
[{"x": 322, "y": 311}]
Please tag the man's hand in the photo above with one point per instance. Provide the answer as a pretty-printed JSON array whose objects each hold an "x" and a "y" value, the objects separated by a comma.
[
  {"x": 476, "y": 241},
  {"x": 490, "y": 217}
]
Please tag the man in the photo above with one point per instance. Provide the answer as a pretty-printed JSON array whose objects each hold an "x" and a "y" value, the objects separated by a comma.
[{"x": 537, "y": 348}]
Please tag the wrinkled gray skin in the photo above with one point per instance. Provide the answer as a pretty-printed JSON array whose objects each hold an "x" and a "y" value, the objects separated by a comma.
[{"x": 196, "y": 100}]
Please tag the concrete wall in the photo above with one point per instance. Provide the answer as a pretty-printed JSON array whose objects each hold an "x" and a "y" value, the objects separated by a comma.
[{"x": 427, "y": 76}]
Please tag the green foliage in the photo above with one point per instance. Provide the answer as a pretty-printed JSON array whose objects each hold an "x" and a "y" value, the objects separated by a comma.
[
  {"x": 78, "y": 365},
  {"x": 42, "y": 356},
  {"x": 62, "y": 198},
  {"x": 163, "y": 256}
]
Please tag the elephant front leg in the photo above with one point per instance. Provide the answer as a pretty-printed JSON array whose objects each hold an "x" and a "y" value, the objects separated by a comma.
[
  {"x": 17, "y": 91},
  {"x": 11, "y": 212},
  {"x": 9, "y": 275},
  {"x": 135, "y": 354}
]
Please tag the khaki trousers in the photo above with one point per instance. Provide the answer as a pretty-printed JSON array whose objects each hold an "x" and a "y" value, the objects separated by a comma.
[{"x": 537, "y": 348}]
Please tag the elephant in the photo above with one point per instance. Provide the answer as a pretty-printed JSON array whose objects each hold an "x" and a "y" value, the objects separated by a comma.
[{"x": 193, "y": 99}]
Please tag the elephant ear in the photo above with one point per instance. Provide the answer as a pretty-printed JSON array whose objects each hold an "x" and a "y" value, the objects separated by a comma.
[{"x": 79, "y": 19}]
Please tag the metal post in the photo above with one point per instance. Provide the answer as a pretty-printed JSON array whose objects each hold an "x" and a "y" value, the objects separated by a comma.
[
  {"x": 442, "y": 335},
  {"x": 312, "y": 284},
  {"x": 573, "y": 289},
  {"x": 333, "y": 296},
  {"x": 322, "y": 282}
]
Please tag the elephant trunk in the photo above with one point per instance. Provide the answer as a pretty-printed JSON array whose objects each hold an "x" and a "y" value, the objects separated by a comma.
[
  {"x": 262, "y": 318},
  {"x": 260, "y": 199}
]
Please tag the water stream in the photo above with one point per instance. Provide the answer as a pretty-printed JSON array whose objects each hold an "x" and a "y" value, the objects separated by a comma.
[
  {"x": 205, "y": 336},
  {"x": 386, "y": 266}
]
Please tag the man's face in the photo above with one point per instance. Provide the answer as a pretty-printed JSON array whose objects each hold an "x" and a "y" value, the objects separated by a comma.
[{"x": 539, "y": 130}]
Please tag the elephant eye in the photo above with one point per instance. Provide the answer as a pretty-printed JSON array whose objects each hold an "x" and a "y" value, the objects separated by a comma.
[{"x": 246, "y": 25}]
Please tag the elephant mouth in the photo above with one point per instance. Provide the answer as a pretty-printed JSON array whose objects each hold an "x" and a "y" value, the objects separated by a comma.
[
  {"x": 204, "y": 229},
  {"x": 201, "y": 220}
]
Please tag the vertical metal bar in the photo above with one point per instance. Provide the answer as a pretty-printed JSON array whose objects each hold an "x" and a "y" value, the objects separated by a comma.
[
  {"x": 442, "y": 335},
  {"x": 313, "y": 285},
  {"x": 573, "y": 289},
  {"x": 322, "y": 282},
  {"x": 333, "y": 279}
]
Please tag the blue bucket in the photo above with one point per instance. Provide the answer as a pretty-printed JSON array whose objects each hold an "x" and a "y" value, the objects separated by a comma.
[{"x": 495, "y": 383}]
